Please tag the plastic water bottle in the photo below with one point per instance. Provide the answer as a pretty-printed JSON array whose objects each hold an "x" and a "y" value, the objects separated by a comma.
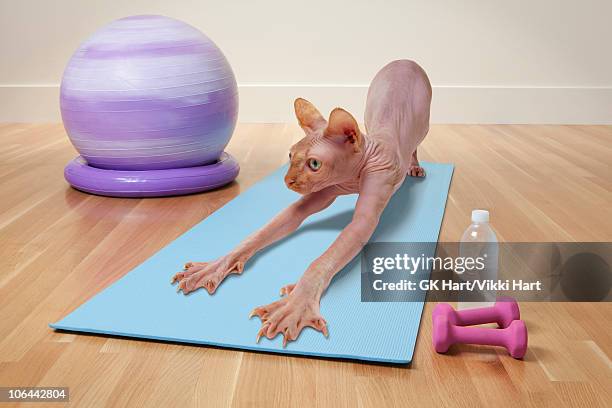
[{"x": 479, "y": 240}]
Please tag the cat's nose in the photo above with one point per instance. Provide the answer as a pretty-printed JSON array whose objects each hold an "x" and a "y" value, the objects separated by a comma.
[{"x": 289, "y": 181}]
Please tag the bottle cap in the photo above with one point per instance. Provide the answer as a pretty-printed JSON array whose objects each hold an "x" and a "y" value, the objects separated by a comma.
[{"x": 480, "y": 216}]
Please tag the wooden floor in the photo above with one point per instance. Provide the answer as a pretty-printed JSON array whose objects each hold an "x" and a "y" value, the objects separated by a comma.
[{"x": 58, "y": 247}]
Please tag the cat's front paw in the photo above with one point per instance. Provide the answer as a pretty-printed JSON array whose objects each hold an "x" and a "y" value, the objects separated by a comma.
[
  {"x": 207, "y": 275},
  {"x": 289, "y": 316}
]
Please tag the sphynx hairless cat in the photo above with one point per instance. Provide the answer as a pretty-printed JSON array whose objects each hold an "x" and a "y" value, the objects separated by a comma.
[{"x": 334, "y": 158}]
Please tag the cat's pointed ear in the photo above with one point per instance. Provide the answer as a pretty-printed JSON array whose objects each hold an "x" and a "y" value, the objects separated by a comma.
[
  {"x": 307, "y": 115},
  {"x": 343, "y": 128}
]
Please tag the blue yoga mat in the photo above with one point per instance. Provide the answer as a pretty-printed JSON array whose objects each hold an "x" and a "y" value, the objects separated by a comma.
[{"x": 143, "y": 304}]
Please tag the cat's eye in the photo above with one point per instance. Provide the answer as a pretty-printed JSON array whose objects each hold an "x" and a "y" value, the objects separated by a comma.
[
  {"x": 289, "y": 155},
  {"x": 314, "y": 164}
]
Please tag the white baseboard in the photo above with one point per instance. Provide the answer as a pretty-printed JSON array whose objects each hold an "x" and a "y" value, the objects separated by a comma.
[{"x": 451, "y": 104}]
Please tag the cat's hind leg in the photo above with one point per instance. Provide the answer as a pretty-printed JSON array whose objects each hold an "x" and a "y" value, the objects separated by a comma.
[{"x": 414, "y": 168}]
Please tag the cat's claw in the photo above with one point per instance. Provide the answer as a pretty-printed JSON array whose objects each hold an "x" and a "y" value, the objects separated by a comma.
[
  {"x": 261, "y": 333},
  {"x": 288, "y": 317},
  {"x": 253, "y": 313}
]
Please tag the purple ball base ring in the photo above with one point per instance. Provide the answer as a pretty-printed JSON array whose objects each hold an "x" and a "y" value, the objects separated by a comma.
[{"x": 151, "y": 183}]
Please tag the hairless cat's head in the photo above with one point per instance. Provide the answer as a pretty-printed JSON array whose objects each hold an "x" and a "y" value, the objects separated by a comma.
[{"x": 330, "y": 152}]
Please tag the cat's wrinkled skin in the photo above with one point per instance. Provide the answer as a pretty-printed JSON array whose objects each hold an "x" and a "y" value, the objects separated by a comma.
[{"x": 334, "y": 158}]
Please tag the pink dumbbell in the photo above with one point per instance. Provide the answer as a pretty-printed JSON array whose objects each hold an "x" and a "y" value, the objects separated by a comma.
[
  {"x": 513, "y": 337},
  {"x": 504, "y": 312}
]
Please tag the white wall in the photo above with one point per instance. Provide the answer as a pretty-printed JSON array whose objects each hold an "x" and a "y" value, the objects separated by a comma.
[{"x": 490, "y": 61}]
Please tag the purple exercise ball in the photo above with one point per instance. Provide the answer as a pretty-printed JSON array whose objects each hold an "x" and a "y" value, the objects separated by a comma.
[{"x": 149, "y": 93}]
